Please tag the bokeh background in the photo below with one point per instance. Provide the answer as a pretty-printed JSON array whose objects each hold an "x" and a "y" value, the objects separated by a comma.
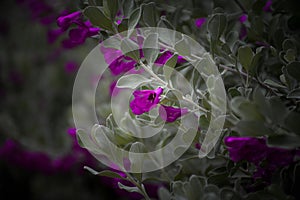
[{"x": 39, "y": 155}]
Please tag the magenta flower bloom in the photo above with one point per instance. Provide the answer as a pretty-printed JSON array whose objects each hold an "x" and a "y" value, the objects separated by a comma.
[
  {"x": 145, "y": 100},
  {"x": 118, "y": 63},
  {"x": 199, "y": 22},
  {"x": 243, "y": 18},
  {"x": 53, "y": 34},
  {"x": 77, "y": 35},
  {"x": 71, "y": 67},
  {"x": 256, "y": 151},
  {"x": 165, "y": 57},
  {"x": 170, "y": 114},
  {"x": 121, "y": 65},
  {"x": 267, "y": 7},
  {"x": 67, "y": 20}
]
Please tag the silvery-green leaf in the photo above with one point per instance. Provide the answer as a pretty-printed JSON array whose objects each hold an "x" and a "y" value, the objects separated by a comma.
[
  {"x": 164, "y": 194},
  {"x": 106, "y": 173},
  {"x": 136, "y": 156},
  {"x": 166, "y": 33},
  {"x": 111, "y": 8},
  {"x": 169, "y": 66},
  {"x": 129, "y": 188},
  {"x": 134, "y": 19},
  {"x": 294, "y": 94},
  {"x": 132, "y": 81},
  {"x": 130, "y": 48},
  {"x": 97, "y": 17},
  {"x": 151, "y": 48},
  {"x": 183, "y": 47},
  {"x": 217, "y": 25},
  {"x": 128, "y": 7},
  {"x": 245, "y": 56},
  {"x": 149, "y": 14}
]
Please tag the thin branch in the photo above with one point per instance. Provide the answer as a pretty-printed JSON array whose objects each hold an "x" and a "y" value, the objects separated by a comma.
[{"x": 241, "y": 6}]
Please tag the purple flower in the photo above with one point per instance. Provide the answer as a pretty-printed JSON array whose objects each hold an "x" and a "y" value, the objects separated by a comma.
[
  {"x": 267, "y": 7},
  {"x": 72, "y": 131},
  {"x": 145, "y": 100},
  {"x": 243, "y": 18},
  {"x": 165, "y": 57},
  {"x": 121, "y": 65},
  {"x": 77, "y": 35},
  {"x": 14, "y": 153},
  {"x": 71, "y": 67},
  {"x": 199, "y": 22},
  {"x": 170, "y": 114},
  {"x": 256, "y": 151},
  {"x": 54, "y": 34},
  {"x": 66, "y": 21},
  {"x": 246, "y": 148},
  {"x": 118, "y": 63}
]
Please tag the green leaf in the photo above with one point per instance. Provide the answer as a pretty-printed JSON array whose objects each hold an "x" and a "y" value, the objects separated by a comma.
[
  {"x": 91, "y": 3},
  {"x": 149, "y": 14},
  {"x": 178, "y": 190},
  {"x": 219, "y": 179},
  {"x": 245, "y": 56},
  {"x": 128, "y": 188},
  {"x": 245, "y": 109},
  {"x": 130, "y": 48},
  {"x": 97, "y": 18},
  {"x": 128, "y": 7},
  {"x": 252, "y": 128},
  {"x": 284, "y": 141},
  {"x": 106, "y": 173},
  {"x": 164, "y": 194},
  {"x": 293, "y": 70},
  {"x": 111, "y": 8},
  {"x": 136, "y": 156},
  {"x": 274, "y": 84},
  {"x": 166, "y": 34},
  {"x": 151, "y": 48},
  {"x": 217, "y": 25},
  {"x": 85, "y": 141},
  {"x": 290, "y": 55},
  {"x": 94, "y": 172},
  {"x": 183, "y": 47},
  {"x": 229, "y": 194},
  {"x": 132, "y": 81},
  {"x": 123, "y": 26},
  {"x": 288, "y": 44},
  {"x": 134, "y": 19},
  {"x": 256, "y": 60},
  {"x": 169, "y": 66},
  {"x": 294, "y": 94},
  {"x": 211, "y": 192}
]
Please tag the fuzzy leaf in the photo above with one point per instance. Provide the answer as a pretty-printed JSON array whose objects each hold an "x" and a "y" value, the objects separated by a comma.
[
  {"x": 132, "y": 81},
  {"x": 97, "y": 18},
  {"x": 245, "y": 56}
]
